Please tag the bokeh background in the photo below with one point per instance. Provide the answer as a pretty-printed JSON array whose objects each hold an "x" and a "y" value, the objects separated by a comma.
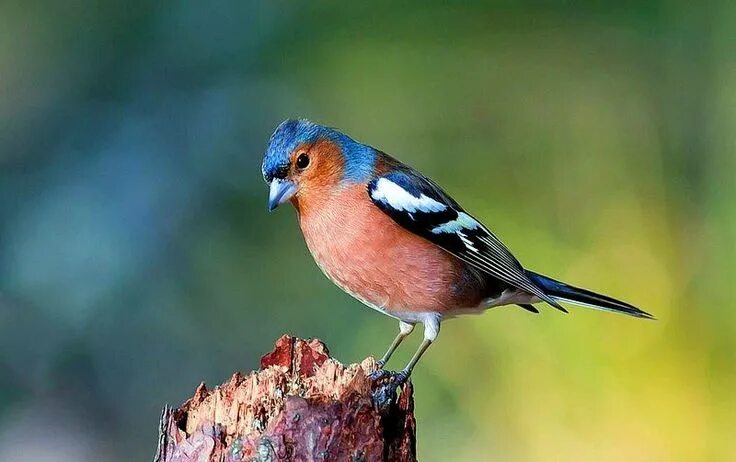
[{"x": 598, "y": 139}]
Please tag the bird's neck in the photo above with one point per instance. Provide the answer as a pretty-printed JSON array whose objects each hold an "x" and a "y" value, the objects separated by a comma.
[{"x": 318, "y": 200}]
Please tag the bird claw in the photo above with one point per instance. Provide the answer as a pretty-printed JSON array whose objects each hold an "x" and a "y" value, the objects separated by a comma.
[
  {"x": 378, "y": 375},
  {"x": 401, "y": 377},
  {"x": 385, "y": 385}
]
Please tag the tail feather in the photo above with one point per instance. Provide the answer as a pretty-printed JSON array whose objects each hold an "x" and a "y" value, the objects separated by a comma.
[
  {"x": 529, "y": 307},
  {"x": 567, "y": 293}
]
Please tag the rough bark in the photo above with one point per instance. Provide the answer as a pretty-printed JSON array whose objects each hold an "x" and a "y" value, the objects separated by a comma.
[{"x": 302, "y": 405}]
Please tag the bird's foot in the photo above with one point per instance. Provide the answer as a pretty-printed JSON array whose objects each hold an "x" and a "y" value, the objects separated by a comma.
[
  {"x": 385, "y": 384},
  {"x": 379, "y": 374}
]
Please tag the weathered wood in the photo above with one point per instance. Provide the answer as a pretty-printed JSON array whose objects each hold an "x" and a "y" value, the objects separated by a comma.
[{"x": 302, "y": 405}]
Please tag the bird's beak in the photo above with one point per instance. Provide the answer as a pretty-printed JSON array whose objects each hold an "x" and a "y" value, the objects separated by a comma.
[{"x": 280, "y": 192}]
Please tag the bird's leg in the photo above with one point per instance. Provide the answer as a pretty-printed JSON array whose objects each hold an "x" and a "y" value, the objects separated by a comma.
[
  {"x": 406, "y": 372},
  {"x": 385, "y": 394},
  {"x": 404, "y": 330},
  {"x": 431, "y": 331}
]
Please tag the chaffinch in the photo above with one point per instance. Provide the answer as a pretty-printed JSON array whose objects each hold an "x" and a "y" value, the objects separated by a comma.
[{"x": 393, "y": 239}]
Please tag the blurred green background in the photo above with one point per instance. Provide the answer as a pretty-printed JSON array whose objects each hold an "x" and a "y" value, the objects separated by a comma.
[{"x": 598, "y": 139}]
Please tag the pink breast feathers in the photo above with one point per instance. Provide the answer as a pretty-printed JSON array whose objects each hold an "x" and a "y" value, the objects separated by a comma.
[{"x": 377, "y": 261}]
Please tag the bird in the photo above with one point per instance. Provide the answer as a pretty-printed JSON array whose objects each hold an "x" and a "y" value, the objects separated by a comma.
[{"x": 397, "y": 242}]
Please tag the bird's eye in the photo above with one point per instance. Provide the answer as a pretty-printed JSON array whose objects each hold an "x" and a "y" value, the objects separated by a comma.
[{"x": 302, "y": 161}]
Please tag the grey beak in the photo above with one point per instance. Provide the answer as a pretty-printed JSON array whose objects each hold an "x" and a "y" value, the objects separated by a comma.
[{"x": 280, "y": 192}]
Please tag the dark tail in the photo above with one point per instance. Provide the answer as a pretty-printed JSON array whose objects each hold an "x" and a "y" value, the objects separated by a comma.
[{"x": 566, "y": 293}]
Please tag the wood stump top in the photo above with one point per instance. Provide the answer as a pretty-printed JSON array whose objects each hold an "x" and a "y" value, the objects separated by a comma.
[{"x": 302, "y": 405}]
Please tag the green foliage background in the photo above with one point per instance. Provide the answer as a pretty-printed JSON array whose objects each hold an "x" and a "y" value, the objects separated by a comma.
[{"x": 597, "y": 139}]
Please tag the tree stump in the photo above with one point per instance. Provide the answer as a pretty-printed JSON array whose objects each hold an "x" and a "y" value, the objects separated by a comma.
[{"x": 302, "y": 405}]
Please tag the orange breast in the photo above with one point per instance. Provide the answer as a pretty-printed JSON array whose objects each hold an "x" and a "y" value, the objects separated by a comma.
[{"x": 374, "y": 259}]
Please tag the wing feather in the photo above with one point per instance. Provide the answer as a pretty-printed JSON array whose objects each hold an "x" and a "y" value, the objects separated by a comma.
[{"x": 422, "y": 207}]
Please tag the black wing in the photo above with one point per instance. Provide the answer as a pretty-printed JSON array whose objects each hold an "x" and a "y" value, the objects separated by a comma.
[{"x": 419, "y": 205}]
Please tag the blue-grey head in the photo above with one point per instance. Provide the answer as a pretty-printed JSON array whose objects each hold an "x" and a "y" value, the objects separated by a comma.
[{"x": 304, "y": 157}]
